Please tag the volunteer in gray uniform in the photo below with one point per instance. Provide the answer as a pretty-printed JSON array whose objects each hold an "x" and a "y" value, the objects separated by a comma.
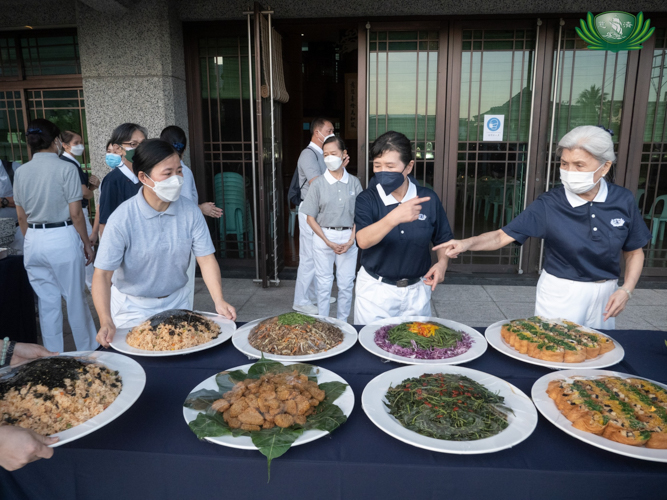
[
  {"x": 329, "y": 207},
  {"x": 311, "y": 165},
  {"x": 47, "y": 193},
  {"x": 73, "y": 147},
  {"x": 147, "y": 245}
]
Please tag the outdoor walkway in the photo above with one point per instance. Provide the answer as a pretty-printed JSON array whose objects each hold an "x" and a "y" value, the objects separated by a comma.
[{"x": 474, "y": 305}]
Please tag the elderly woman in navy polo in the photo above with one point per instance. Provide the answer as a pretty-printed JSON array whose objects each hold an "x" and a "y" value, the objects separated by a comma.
[{"x": 587, "y": 223}]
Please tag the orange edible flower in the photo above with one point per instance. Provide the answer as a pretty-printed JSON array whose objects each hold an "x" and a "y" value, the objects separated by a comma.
[{"x": 423, "y": 329}]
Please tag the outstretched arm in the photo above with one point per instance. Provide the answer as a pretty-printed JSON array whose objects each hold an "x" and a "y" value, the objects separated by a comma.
[{"x": 488, "y": 241}]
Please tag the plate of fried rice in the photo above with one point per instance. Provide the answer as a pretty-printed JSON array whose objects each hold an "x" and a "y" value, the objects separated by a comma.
[
  {"x": 174, "y": 332},
  {"x": 70, "y": 395},
  {"x": 415, "y": 340}
]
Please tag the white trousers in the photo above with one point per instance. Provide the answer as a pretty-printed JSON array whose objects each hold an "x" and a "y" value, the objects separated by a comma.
[
  {"x": 90, "y": 268},
  {"x": 577, "y": 301},
  {"x": 305, "y": 291},
  {"x": 191, "y": 281},
  {"x": 376, "y": 300},
  {"x": 324, "y": 259},
  {"x": 52, "y": 259},
  {"x": 128, "y": 311}
]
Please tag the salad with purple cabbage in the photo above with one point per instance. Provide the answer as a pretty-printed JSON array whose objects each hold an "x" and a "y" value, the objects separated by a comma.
[{"x": 419, "y": 340}]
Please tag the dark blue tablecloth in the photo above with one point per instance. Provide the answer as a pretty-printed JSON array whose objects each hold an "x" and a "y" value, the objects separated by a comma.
[
  {"x": 17, "y": 301},
  {"x": 149, "y": 452}
]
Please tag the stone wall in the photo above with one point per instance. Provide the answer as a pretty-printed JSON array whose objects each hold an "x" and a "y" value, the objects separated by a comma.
[
  {"x": 207, "y": 10},
  {"x": 133, "y": 70}
]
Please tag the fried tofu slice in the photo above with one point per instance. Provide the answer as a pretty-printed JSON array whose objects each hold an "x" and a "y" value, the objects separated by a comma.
[
  {"x": 251, "y": 416},
  {"x": 284, "y": 420},
  {"x": 221, "y": 405}
]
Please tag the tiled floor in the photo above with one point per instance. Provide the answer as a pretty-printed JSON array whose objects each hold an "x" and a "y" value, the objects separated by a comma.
[{"x": 474, "y": 305}]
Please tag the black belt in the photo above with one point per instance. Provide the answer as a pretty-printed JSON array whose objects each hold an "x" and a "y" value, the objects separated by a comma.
[
  {"x": 337, "y": 228},
  {"x": 50, "y": 225},
  {"x": 402, "y": 283}
]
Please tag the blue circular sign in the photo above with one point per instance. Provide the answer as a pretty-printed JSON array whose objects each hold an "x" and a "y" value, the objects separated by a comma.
[{"x": 493, "y": 124}]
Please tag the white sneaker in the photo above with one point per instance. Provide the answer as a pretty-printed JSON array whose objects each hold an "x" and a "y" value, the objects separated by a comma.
[
  {"x": 332, "y": 300},
  {"x": 307, "y": 309}
]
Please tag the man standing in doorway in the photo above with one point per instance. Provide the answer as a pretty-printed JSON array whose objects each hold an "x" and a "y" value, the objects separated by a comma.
[{"x": 311, "y": 165}]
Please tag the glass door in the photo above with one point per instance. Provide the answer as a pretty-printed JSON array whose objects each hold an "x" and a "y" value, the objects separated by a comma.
[
  {"x": 651, "y": 194},
  {"x": 495, "y": 88},
  {"x": 225, "y": 106},
  {"x": 403, "y": 85},
  {"x": 590, "y": 88}
]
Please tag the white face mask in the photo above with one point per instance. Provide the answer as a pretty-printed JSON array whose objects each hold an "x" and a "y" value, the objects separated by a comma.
[
  {"x": 579, "y": 182},
  {"x": 333, "y": 162},
  {"x": 169, "y": 189},
  {"x": 78, "y": 149},
  {"x": 325, "y": 137}
]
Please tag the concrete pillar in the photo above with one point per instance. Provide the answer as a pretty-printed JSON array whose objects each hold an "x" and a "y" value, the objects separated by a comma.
[{"x": 133, "y": 70}]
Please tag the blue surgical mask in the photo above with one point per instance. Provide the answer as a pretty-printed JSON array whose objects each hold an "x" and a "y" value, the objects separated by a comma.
[
  {"x": 390, "y": 181},
  {"x": 113, "y": 160}
]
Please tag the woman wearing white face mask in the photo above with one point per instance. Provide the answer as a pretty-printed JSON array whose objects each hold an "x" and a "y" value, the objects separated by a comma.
[
  {"x": 147, "y": 245},
  {"x": 586, "y": 225},
  {"x": 329, "y": 207},
  {"x": 73, "y": 147}
]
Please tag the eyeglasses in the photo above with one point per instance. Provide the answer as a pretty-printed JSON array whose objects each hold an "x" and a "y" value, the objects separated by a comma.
[{"x": 132, "y": 144}]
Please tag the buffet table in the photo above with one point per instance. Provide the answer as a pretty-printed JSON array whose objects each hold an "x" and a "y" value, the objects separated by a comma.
[
  {"x": 149, "y": 452},
  {"x": 17, "y": 306}
]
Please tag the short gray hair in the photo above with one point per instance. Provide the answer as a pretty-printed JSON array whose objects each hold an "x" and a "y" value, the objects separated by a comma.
[{"x": 591, "y": 139}]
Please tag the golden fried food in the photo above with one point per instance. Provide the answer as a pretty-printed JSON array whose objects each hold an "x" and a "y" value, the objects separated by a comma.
[{"x": 282, "y": 400}]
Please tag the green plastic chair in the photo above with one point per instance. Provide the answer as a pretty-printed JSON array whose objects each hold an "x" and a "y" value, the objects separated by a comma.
[
  {"x": 237, "y": 215},
  {"x": 658, "y": 221}
]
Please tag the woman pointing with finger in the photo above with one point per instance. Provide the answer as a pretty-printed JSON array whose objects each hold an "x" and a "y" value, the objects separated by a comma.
[{"x": 396, "y": 222}]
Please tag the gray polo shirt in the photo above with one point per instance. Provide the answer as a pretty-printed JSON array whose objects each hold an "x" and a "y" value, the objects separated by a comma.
[
  {"x": 150, "y": 250},
  {"x": 331, "y": 201},
  {"x": 45, "y": 186},
  {"x": 311, "y": 164}
]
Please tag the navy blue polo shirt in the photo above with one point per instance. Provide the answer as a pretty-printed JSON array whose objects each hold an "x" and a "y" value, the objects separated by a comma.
[
  {"x": 405, "y": 251},
  {"x": 582, "y": 239},
  {"x": 82, "y": 175},
  {"x": 115, "y": 189}
]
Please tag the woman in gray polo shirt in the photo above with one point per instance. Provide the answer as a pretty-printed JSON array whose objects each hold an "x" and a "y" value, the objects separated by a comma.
[
  {"x": 147, "y": 245},
  {"x": 47, "y": 193},
  {"x": 329, "y": 207}
]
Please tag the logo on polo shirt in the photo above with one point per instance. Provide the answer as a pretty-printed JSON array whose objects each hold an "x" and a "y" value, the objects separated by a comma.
[
  {"x": 617, "y": 222},
  {"x": 422, "y": 217}
]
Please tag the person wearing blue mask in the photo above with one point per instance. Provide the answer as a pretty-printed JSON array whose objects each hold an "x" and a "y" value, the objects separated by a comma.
[
  {"x": 121, "y": 183},
  {"x": 396, "y": 222},
  {"x": 587, "y": 225}
]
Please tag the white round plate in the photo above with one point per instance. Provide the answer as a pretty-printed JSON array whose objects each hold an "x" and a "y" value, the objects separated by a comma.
[
  {"x": 240, "y": 341},
  {"x": 608, "y": 359},
  {"x": 227, "y": 329},
  {"x": 345, "y": 402},
  {"x": 521, "y": 424},
  {"x": 133, "y": 379},
  {"x": 551, "y": 412},
  {"x": 367, "y": 339}
]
